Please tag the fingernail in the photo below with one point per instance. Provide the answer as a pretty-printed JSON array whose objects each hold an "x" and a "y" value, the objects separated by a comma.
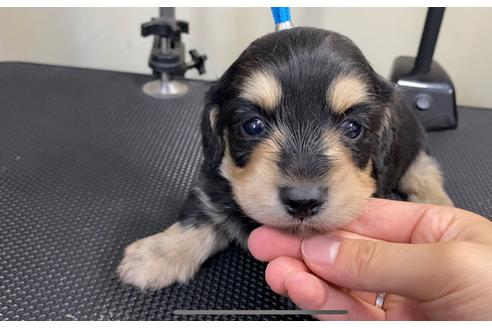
[{"x": 321, "y": 250}]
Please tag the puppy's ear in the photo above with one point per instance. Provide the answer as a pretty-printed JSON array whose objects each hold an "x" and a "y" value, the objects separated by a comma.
[
  {"x": 382, "y": 157},
  {"x": 212, "y": 140},
  {"x": 384, "y": 89}
]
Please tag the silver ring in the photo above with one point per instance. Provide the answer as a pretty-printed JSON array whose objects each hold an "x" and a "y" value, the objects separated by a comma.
[{"x": 379, "y": 300}]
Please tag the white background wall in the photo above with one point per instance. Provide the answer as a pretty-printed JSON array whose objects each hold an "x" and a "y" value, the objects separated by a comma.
[{"x": 109, "y": 38}]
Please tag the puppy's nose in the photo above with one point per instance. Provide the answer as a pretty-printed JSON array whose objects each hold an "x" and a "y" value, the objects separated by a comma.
[{"x": 304, "y": 201}]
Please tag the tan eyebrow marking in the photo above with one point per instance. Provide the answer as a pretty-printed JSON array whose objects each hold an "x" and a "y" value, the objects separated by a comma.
[
  {"x": 262, "y": 89},
  {"x": 345, "y": 92}
]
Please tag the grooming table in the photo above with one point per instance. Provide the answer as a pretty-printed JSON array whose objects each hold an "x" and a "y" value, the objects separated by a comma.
[{"x": 89, "y": 164}]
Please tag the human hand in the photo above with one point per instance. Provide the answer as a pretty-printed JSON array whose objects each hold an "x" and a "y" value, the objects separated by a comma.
[{"x": 434, "y": 263}]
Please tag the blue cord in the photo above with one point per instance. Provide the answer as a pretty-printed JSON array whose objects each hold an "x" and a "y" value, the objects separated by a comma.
[{"x": 281, "y": 14}]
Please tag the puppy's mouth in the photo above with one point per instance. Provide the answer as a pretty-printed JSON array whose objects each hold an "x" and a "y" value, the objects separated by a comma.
[{"x": 301, "y": 226}]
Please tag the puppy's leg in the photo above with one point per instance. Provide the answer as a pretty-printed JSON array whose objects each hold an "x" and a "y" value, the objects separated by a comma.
[
  {"x": 423, "y": 182},
  {"x": 174, "y": 255}
]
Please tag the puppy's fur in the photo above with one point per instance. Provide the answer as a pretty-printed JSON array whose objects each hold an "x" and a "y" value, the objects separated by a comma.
[{"x": 304, "y": 84}]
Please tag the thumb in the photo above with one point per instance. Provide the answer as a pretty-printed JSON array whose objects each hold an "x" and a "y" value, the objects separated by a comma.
[{"x": 418, "y": 271}]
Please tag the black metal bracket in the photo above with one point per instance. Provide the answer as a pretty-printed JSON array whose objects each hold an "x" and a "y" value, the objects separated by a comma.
[
  {"x": 426, "y": 86},
  {"x": 168, "y": 51}
]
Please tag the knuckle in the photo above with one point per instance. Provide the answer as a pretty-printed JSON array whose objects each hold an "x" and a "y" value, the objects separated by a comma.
[
  {"x": 364, "y": 256},
  {"x": 455, "y": 252},
  {"x": 457, "y": 262}
]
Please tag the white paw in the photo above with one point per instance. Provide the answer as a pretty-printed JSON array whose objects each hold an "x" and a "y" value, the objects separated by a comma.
[
  {"x": 174, "y": 255},
  {"x": 145, "y": 267},
  {"x": 437, "y": 197}
]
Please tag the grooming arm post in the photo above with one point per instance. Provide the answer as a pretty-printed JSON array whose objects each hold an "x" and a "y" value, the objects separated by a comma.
[{"x": 428, "y": 40}]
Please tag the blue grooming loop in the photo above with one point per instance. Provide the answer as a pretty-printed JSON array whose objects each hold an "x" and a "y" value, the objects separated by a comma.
[{"x": 281, "y": 16}]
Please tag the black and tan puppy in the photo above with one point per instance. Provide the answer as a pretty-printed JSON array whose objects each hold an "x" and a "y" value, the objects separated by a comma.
[{"x": 297, "y": 134}]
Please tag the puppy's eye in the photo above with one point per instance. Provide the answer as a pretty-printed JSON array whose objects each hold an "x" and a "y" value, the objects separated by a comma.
[
  {"x": 351, "y": 129},
  {"x": 253, "y": 127}
]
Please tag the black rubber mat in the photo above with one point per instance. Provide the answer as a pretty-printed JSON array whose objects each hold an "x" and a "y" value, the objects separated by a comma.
[{"x": 88, "y": 164}]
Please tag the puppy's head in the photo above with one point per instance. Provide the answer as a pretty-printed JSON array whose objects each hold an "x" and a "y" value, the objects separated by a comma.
[{"x": 295, "y": 125}]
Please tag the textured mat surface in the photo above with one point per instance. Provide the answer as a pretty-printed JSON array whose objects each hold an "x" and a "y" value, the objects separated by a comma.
[{"x": 89, "y": 164}]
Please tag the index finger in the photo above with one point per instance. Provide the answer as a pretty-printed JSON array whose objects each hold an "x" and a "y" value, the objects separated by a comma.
[
  {"x": 389, "y": 220},
  {"x": 381, "y": 219},
  {"x": 404, "y": 222},
  {"x": 267, "y": 243}
]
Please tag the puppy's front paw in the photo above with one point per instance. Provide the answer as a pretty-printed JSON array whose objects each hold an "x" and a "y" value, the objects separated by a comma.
[
  {"x": 174, "y": 255},
  {"x": 147, "y": 267}
]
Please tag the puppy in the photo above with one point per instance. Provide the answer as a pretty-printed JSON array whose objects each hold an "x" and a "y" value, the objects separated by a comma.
[{"x": 297, "y": 134}]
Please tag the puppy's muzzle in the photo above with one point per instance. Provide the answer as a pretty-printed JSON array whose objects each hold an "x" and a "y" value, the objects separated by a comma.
[{"x": 303, "y": 201}]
